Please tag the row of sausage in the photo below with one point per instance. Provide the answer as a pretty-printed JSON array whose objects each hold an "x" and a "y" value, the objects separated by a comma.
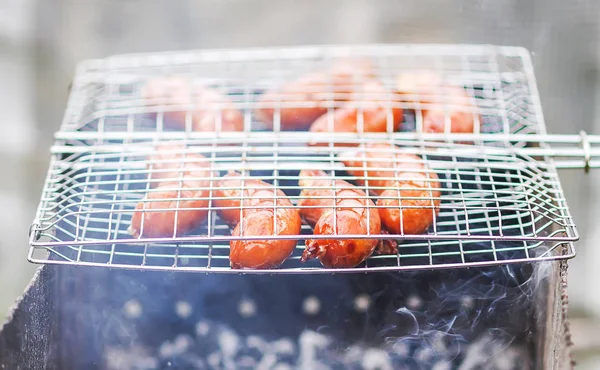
[
  {"x": 328, "y": 100},
  {"x": 404, "y": 199}
]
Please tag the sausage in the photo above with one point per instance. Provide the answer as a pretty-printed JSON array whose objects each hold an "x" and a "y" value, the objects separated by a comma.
[
  {"x": 159, "y": 209},
  {"x": 351, "y": 217},
  {"x": 419, "y": 87},
  {"x": 412, "y": 174},
  {"x": 438, "y": 99},
  {"x": 257, "y": 193},
  {"x": 403, "y": 216},
  {"x": 386, "y": 246},
  {"x": 320, "y": 88},
  {"x": 169, "y": 163},
  {"x": 376, "y": 106},
  {"x": 176, "y": 206},
  {"x": 210, "y": 105},
  {"x": 263, "y": 219},
  {"x": 169, "y": 91},
  {"x": 206, "y": 104},
  {"x": 459, "y": 109},
  {"x": 376, "y": 162}
]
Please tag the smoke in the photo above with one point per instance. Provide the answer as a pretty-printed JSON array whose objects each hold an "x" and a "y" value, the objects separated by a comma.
[{"x": 483, "y": 318}]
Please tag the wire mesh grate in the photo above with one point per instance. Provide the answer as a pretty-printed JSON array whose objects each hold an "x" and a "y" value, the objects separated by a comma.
[
  {"x": 495, "y": 204},
  {"x": 110, "y": 91}
]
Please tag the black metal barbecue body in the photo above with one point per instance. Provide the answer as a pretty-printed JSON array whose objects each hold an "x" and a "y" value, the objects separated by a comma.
[{"x": 508, "y": 317}]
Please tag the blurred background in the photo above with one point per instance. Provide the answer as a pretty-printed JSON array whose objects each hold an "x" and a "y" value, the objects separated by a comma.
[{"x": 42, "y": 41}]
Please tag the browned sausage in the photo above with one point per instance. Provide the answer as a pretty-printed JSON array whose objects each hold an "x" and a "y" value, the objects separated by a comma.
[
  {"x": 210, "y": 105},
  {"x": 439, "y": 99},
  {"x": 319, "y": 88},
  {"x": 260, "y": 219},
  {"x": 376, "y": 163},
  {"x": 169, "y": 163},
  {"x": 169, "y": 91},
  {"x": 351, "y": 217},
  {"x": 159, "y": 209},
  {"x": 419, "y": 87},
  {"x": 206, "y": 104},
  {"x": 412, "y": 208},
  {"x": 459, "y": 110},
  {"x": 176, "y": 205},
  {"x": 417, "y": 214},
  {"x": 386, "y": 246},
  {"x": 373, "y": 103},
  {"x": 257, "y": 195}
]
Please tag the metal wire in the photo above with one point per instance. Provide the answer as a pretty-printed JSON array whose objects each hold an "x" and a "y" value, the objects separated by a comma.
[
  {"x": 501, "y": 200},
  {"x": 487, "y": 197}
]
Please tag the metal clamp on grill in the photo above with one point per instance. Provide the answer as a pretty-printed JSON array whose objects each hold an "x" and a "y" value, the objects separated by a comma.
[
  {"x": 587, "y": 151},
  {"x": 308, "y": 160}
]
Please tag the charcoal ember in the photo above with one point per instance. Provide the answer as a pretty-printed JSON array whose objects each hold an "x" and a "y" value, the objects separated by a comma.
[
  {"x": 181, "y": 344},
  {"x": 286, "y": 351},
  {"x": 133, "y": 357},
  {"x": 246, "y": 363},
  {"x": 494, "y": 353},
  {"x": 207, "y": 337},
  {"x": 187, "y": 361},
  {"x": 248, "y": 356},
  {"x": 322, "y": 352},
  {"x": 282, "y": 366},
  {"x": 442, "y": 365},
  {"x": 268, "y": 354},
  {"x": 422, "y": 352},
  {"x": 179, "y": 354},
  {"x": 376, "y": 359},
  {"x": 218, "y": 344},
  {"x": 313, "y": 350}
]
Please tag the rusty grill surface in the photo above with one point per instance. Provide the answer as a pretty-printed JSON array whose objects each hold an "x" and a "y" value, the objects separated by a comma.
[{"x": 500, "y": 201}]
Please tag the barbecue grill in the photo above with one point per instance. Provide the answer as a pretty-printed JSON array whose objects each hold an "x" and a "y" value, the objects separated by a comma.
[{"x": 502, "y": 214}]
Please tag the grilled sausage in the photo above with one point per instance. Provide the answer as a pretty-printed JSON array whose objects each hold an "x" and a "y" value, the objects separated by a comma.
[
  {"x": 419, "y": 87},
  {"x": 439, "y": 100},
  {"x": 216, "y": 112},
  {"x": 412, "y": 208},
  {"x": 207, "y": 105},
  {"x": 160, "y": 208},
  {"x": 373, "y": 104},
  {"x": 459, "y": 110},
  {"x": 351, "y": 217},
  {"x": 386, "y": 246},
  {"x": 176, "y": 206},
  {"x": 413, "y": 180},
  {"x": 169, "y": 91},
  {"x": 376, "y": 163},
  {"x": 319, "y": 88},
  {"x": 260, "y": 219},
  {"x": 170, "y": 164}
]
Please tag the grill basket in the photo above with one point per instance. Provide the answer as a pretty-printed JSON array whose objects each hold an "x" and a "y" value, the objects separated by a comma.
[{"x": 501, "y": 199}]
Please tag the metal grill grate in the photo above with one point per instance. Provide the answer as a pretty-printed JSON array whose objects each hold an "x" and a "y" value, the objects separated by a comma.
[
  {"x": 106, "y": 93},
  {"x": 498, "y": 203}
]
